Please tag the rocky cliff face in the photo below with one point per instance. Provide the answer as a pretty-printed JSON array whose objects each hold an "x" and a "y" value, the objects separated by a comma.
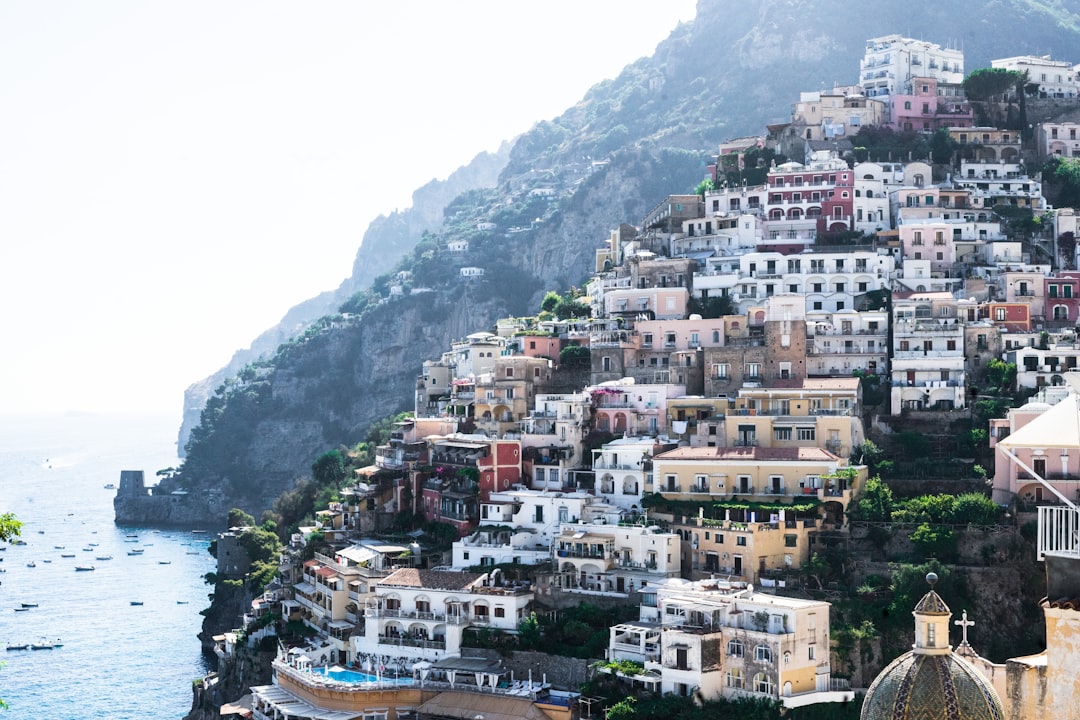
[
  {"x": 731, "y": 71},
  {"x": 386, "y": 240}
]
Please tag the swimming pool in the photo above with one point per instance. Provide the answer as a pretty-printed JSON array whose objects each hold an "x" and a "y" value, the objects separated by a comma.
[{"x": 340, "y": 674}]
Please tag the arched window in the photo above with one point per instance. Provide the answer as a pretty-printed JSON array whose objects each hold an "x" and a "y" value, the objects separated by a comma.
[
  {"x": 763, "y": 653},
  {"x": 716, "y": 336},
  {"x": 735, "y": 648},
  {"x": 763, "y": 684}
]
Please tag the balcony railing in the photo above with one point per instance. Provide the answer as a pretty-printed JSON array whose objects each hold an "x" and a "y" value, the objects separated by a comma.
[
  {"x": 1059, "y": 531},
  {"x": 415, "y": 615},
  {"x": 412, "y": 642}
]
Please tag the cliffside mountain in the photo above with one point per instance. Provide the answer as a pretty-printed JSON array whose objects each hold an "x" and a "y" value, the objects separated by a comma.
[
  {"x": 736, "y": 67},
  {"x": 386, "y": 240}
]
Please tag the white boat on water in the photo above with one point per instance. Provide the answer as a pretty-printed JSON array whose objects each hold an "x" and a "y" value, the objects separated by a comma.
[{"x": 83, "y": 568}]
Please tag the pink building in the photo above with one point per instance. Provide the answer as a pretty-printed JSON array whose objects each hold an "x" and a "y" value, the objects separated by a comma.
[
  {"x": 1044, "y": 441},
  {"x": 923, "y": 109}
]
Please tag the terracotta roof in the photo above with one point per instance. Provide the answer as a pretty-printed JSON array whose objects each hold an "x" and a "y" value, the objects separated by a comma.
[
  {"x": 748, "y": 454},
  {"x": 431, "y": 579},
  {"x": 326, "y": 572},
  {"x": 311, "y": 563}
]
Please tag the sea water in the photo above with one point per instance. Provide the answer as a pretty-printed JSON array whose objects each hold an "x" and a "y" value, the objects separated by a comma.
[{"x": 117, "y": 660}]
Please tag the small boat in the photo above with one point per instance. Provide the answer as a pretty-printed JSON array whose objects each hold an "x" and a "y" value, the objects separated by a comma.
[
  {"x": 29, "y": 605},
  {"x": 44, "y": 644},
  {"x": 131, "y": 540},
  {"x": 103, "y": 557},
  {"x": 148, "y": 544},
  {"x": 46, "y": 560},
  {"x": 92, "y": 544},
  {"x": 31, "y": 564},
  {"x": 83, "y": 568},
  {"x": 135, "y": 552},
  {"x": 164, "y": 562},
  {"x": 110, "y": 486},
  {"x": 58, "y": 547},
  {"x": 22, "y": 609},
  {"x": 17, "y": 541},
  {"x": 88, "y": 549},
  {"x": 15, "y": 646},
  {"x": 67, "y": 554},
  {"x": 134, "y": 535},
  {"x": 189, "y": 552},
  {"x": 136, "y": 602},
  {"x": 198, "y": 532},
  {"x": 181, "y": 602},
  {"x": 40, "y": 532}
]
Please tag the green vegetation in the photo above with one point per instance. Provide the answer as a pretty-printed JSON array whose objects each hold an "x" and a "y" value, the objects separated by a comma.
[
  {"x": 10, "y": 526},
  {"x": 990, "y": 83}
]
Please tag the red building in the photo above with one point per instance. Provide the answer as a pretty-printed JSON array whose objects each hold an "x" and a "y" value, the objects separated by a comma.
[{"x": 1062, "y": 297}]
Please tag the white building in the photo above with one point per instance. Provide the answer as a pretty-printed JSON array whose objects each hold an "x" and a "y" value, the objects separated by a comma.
[
  {"x": 422, "y": 614},
  {"x": 1054, "y": 78},
  {"x": 722, "y": 639},
  {"x": 619, "y": 469},
  {"x": 519, "y": 526},
  {"x": 891, "y": 61},
  {"x": 928, "y": 353},
  {"x": 605, "y": 558},
  {"x": 839, "y": 343}
]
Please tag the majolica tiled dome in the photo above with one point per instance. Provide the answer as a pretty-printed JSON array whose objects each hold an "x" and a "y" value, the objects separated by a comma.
[
  {"x": 930, "y": 682},
  {"x": 931, "y": 687}
]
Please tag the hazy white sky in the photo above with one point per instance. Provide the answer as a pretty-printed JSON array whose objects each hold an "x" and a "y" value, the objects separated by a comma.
[{"x": 175, "y": 176}]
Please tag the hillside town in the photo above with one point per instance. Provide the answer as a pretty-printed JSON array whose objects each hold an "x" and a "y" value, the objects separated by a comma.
[{"x": 687, "y": 431}]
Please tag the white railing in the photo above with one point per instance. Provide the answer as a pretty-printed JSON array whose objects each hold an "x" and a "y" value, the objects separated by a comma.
[{"x": 1059, "y": 531}]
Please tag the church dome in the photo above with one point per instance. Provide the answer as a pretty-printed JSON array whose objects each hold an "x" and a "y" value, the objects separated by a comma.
[
  {"x": 931, "y": 682},
  {"x": 931, "y": 687}
]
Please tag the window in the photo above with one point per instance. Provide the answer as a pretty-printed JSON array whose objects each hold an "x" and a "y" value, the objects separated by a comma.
[
  {"x": 999, "y": 313},
  {"x": 500, "y": 612},
  {"x": 811, "y": 653},
  {"x": 782, "y": 433},
  {"x": 646, "y": 339},
  {"x": 763, "y": 653},
  {"x": 753, "y": 371},
  {"x": 807, "y": 433},
  {"x": 791, "y": 540},
  {"x": 735, "y": 648},
  {"x": 763, "y": 684},
  {"x": 740, "y": 540},
  {"x": 720, "y": 370},
  {"x": 734, "y": 678}
]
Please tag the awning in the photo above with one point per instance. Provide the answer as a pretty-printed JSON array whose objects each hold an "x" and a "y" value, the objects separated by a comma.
[
  {"x": 306, "y": 588},
  {"x": 241, "y": 707},
  {"x": 471, "y": 664},
  {"x": 467, "y": 706}
]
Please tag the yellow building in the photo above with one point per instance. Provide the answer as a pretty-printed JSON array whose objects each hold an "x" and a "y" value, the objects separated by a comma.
[{"x": 751, "y": 509}]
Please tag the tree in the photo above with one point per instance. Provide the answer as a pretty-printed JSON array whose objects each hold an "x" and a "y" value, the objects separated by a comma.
[
  {"x": 529, "y": 632},
  {"x": 329, "y": 469},
  {"x": 710, "y": 307},
  {"x": 550, "y": 301},
  {"x": 875, "y": 504},
  {"x": 239, "y": 518},
  {"x": 987, "y": 83},
  {"x": 9, "y": 526}
]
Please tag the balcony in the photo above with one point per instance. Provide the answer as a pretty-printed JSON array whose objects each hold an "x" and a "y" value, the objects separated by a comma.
[
  {"x": 415, "y": 615},
  {"x": 412, "y": 642},
  {"x": 1059, "y": 531}
]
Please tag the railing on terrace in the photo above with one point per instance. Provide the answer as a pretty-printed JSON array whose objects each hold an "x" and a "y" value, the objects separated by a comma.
[
  {"x": 1059, "y": 531},
  {"x": 415, "y": 615},
  {"x": 412, "y": 642}
]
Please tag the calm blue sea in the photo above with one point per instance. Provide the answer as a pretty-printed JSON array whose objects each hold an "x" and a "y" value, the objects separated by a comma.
[{"x": 117, "y": 660}]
